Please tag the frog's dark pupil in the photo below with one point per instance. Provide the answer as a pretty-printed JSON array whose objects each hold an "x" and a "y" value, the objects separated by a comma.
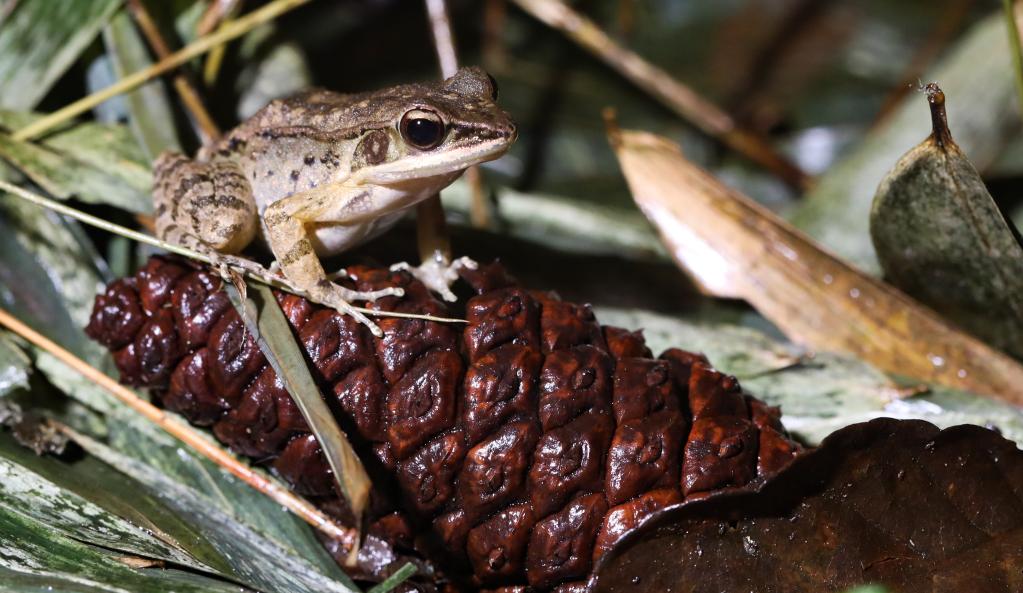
[{"x": 423, "y": 133}]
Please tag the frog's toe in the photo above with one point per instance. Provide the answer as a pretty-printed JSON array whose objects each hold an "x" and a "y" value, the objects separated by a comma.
[
  {"x": 438, "y": 274},
  {"x": 371, "y": 295},
  {"x": 348, "y": 309}
]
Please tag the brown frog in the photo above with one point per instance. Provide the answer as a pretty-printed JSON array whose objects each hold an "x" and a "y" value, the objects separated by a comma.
[{"x": 321, "y": 172}]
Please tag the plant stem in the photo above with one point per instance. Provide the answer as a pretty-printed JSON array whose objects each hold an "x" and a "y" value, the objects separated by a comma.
[{"x": 182, "y": 84}]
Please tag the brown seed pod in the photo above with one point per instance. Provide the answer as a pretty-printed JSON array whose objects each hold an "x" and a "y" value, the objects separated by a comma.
[{"x": 525, "y": 443}]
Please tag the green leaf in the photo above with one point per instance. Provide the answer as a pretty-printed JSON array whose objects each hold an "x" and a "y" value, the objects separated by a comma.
[
  {"x": 120, "y": 495},
  {"x": 151, "y": 115},
  {"x": 37, "y": 557},
  {"x": 941, "y": 238},
  {"x": 96, "y": 163},
  {"x": 14, "y": 366},
  {"x": 975, "y": 71},
  {"x": 137, "y": 438},
  {"x": 260, "y": 561},
  {"x": 48, "y": 279},
  {"x": 25, "y": 492},
  {"x": 40, "y": 40},
  {"x": 276, "y": 340}
]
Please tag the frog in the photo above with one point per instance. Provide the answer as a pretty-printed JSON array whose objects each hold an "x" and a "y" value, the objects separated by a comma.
[{"x": 321, "y": 172}]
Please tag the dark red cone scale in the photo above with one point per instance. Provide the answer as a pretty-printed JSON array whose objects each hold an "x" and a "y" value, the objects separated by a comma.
[{"x": 528, "y": 441}]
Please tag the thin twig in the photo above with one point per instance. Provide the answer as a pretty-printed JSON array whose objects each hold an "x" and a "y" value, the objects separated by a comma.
[
  {"x": 443, "y": 39},
  {"x": 117, "y": 229},
  {"x": 198, "y": 47},
  {"x": 347, "y": 536},
  {"x": 495, "y": 16},
  {"x": 216, "y": 12},
  {"x": 431, "y": 209},
  {"x": 1017, "y": 56},
  {"x": 217, "y": 15},
  {"x": 658, "y": 83},
  {"x": 182, "y": 84},
  {"x": 431, "y": 228}
]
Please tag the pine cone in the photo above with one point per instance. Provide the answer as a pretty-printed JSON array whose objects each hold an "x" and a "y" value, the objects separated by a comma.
[{"x": 530, "y": 442}]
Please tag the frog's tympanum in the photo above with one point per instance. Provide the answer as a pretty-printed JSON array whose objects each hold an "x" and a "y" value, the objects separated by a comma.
[{"x": 320, "y": 172}]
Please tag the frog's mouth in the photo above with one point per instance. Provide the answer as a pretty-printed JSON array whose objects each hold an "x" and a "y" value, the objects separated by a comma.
[{"x": 443, "y": 162}]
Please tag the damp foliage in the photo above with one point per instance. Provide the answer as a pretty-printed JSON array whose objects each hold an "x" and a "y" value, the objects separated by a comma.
[{"x": 891, "y": 502}]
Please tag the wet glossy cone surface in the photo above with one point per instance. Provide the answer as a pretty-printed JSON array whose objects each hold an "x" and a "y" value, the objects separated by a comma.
[{"x": 527, "y": 441}]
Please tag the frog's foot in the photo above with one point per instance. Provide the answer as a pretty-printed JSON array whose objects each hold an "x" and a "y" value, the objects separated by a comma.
[
  {"x": 340, "y": 299},
  {"x": 229, "y": 266},
  {"x": 438, "y": 274}
]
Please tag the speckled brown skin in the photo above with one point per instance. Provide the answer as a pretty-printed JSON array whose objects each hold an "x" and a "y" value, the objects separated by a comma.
[
  {"x": 321, "y": 172},
  {"x": 523, "y": 445}
]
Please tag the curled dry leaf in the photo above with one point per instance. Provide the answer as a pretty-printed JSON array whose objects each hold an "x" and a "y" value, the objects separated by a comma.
[
  {"x": 941, "y": 238},
  {"x": 892, "y": 502},
  {"x": 734, "y": 247}
]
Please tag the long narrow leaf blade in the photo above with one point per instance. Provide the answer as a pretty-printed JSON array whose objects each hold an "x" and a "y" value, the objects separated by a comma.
[
  {"x": 738, "y": 248},
  {"x": 273, "y": 334}
]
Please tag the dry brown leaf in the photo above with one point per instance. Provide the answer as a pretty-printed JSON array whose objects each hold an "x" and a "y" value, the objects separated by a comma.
[{"x": 734, "y": 247}]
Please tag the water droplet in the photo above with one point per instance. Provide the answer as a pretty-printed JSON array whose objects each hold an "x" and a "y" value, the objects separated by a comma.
[
  {"x": 854, "y": 293},
  {"x": 936, "y": 360},
  {"x": 828, "y": 278},
  {"x": 961, "y": 373}
]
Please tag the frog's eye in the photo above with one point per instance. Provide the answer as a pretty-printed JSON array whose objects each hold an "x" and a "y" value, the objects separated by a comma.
[{"x": 422, "y": 129}]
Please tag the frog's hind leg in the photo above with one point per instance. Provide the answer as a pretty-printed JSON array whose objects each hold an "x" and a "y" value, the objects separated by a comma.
[{"x": 206, "y": 207}]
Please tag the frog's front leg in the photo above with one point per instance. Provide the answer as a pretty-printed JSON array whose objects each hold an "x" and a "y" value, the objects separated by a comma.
[
  {"x": 285, "y": 221},
  {"x": 206, "y": 207}
]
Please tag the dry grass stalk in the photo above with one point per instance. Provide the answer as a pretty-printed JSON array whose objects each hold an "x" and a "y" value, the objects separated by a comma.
[
  {"x": 189, "y": 96},
  {"x": 736, "y": 248},
  {"x": 661, "y": 85}
]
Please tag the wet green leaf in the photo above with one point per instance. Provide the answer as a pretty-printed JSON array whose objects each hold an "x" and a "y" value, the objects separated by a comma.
[
  {"x": 138, "y": 439},
  {"x": 150, "y": 114},
  {"x": 120, "y": 495},
  {"x": 48, "y": 278},
  {"x": 40, "y": 40},
  {"x": 14, "y": 366},
  {"x": 263, "y": 562},
  {"x": 96, "y": 163},
  {"x": 37, "y": 557},
  {"x": 25, "y": 492},
  {"x": 941, "y": 238}
]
